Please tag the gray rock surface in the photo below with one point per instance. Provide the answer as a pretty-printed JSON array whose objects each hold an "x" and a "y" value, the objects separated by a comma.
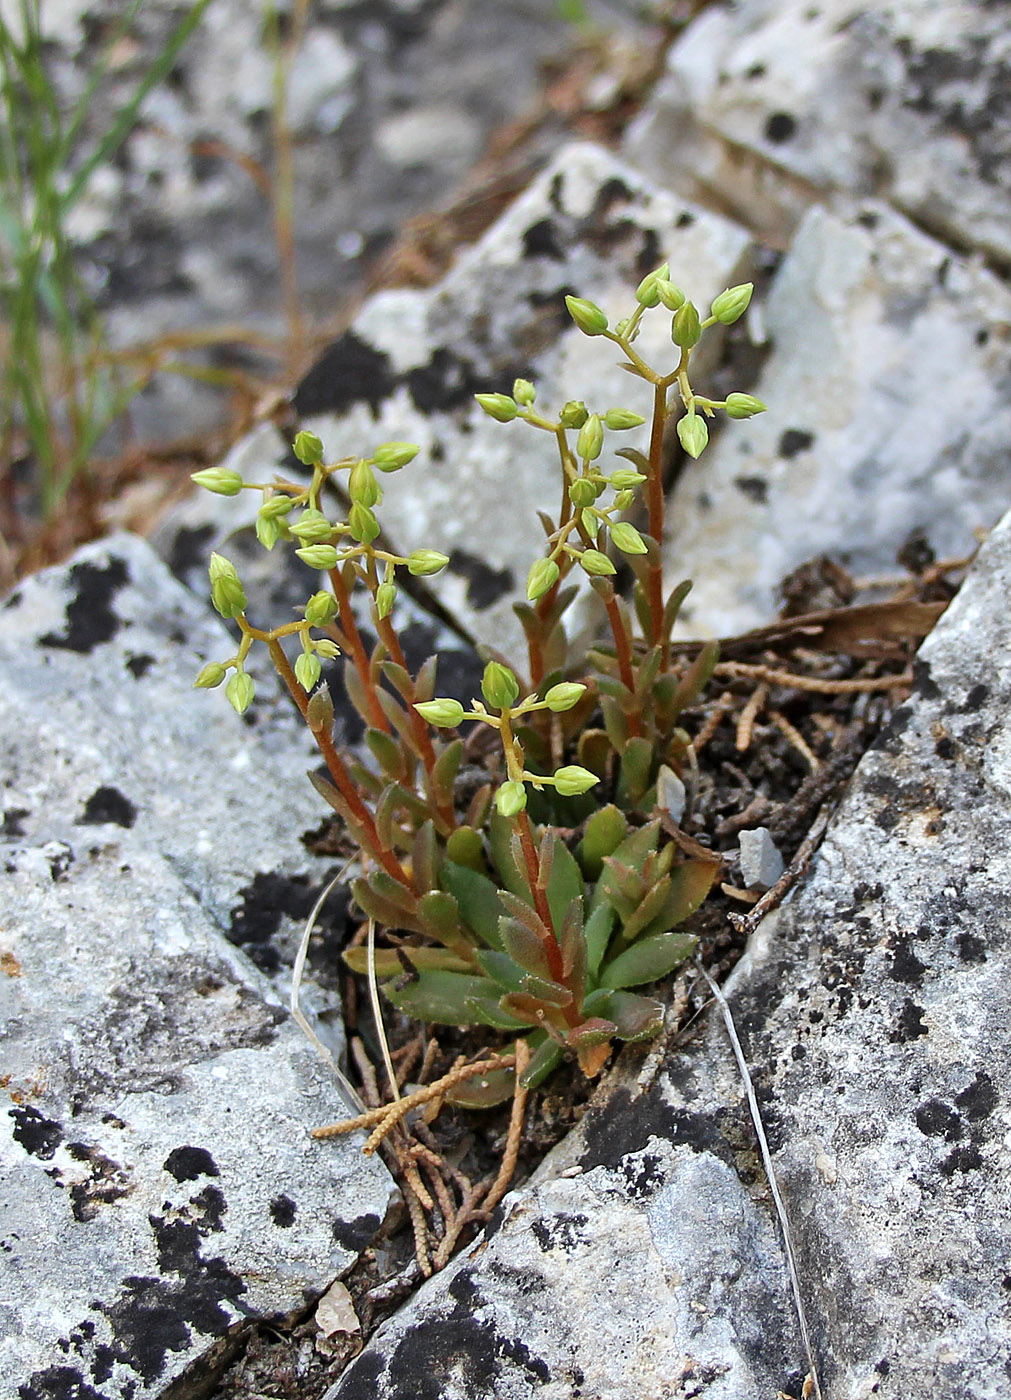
[
  {"x": 409, "y": 366},
  {"x": 874, "y": 1008},
  {"x": 768, "y": 104},
  {"x": 889, "y": 411},
  {"x": 161, "y": 1188}
]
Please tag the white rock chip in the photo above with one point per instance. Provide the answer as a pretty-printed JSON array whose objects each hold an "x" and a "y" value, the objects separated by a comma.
[
  {"x": 410, "y": 365},
  {"x": 768, "y": 104},
  {"x": 889, "y": 410},
  {"x": 161, "y": 1185},
  {"x": 874, "y": 1010},
  {"x": 761, "y": 863}
]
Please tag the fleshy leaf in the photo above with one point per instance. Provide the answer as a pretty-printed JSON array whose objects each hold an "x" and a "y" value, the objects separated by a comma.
[
  {"x": 439, "y": 916},
  {"x": 501, "y": 969},
  {"x": 597, "y": 934},
  {"x": 388, "y": 962},
  {"x": 524, "y": 947},
  {"x": 605, "y": 831},
  {"x": 490, "y": 1089},
  {"x": 648, "y": 959},
  {"x": 488, "y": 1012},
  {"x": 477, "y": 899},
  {"x": 635, "y": 1017},
  {"x": 465, "y": 847},
  {"x": 500, "y": 833},
  {"x": 546, "y": 1057},
  {"x": 565, "y": 884},
  {"x": 440, "y": 996}
]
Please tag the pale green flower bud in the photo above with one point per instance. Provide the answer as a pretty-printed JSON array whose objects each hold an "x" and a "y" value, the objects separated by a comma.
[
  {"x": 573, "y": 780},
  {"x": 618, "y": 419},
  {"x": 327, "y": 649},
  {"x": 743, "y": 405},
  {"x": 276, "y": 506},
  {"x": 319, "y": 556},
  {"x": 574, "y": 414},
  {"x": 394, "y": 455},
  {"x": 386, "y": 596},
  {"x": 308, "y": 448},
  {"x": 212, "y": 675},
  {"x": 582, "y": 492},
  {"x": 444, "y": 714},
  {"x": 563, "y": 696},
  {"x": 524, "y": 392},
  {"x": 590, "y": 521},
  {"x": 591, "y": 438},
  {"x": 498, "y": 406},
  {"x": 363, "y": 524},
  {"x": 595, "y": 564},
  {"x": 670, "y": 296},
  {"x": 312, "y": 527},
  {"x": 422, "y": 562},
  {"x": 730, "y": 305},
  {"x": 686, "y": 328},
  {"x": 307, "y": 670},
  {"x": 588, "y": 317},
  {"x": 693, "y": 433},
  {"x": 510, "y": 799},
  {"x": 623, "y": 499},
  {"x": 227, "y": 593},
  {"x": 220, "y": 480},
  {"x": 321, "y": 609},
  {"x": 362, "y": 485},
  {"x": 240, "y": 691},
  {"x": 627, "y": 538},
  {"x": 542, "y": 578},
  {"x": 268, "y": 531},
  {"x": 647, "y": 292},
  {"x": 625, "y": 478},
  {"x": 499, "y": 686}
]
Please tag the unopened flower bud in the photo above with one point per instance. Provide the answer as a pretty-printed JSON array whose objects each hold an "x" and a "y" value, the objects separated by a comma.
[
  {"x": 563, "y": 696},
  {"x": 574, "y": 414},
  {"x": 327, "y": 649},
  {"x": 730, "y": 305},
  {"x": 307, "y": 670},
  {"x": 362, "y": 485},
  {"x": 743, "y": 405},
  {"x": 671, "y": 296},
  {"x": 321, "y": 609},
  {"x": 623, "y": 499},
  {"x": 524, "y": 392},
  {"x": 625, "y": 478},
  {"x": 240, "y": 691},
  {"x": 573, "y": 780},
  {"x": 363, "y": 524},
  {"x": 647, "y": 294},
  {"x": 268, "y": 531},
  {"x": 498, "y": 406},
  {"x": 444, "y": 714},
  {"x": 422, "y": 562},
  {"x": 499, "y": 686},
  {"x": 595, "y": 564},
  {"x": 318, "y": 556},
  {"x": 276, "y": 506},
  {"x": 394, "y": 455},
  {"x": 591, "y": 438},
  {"x": 627, "y": 538},
  {"x": 588, "y": 317},
  {"x": 227, "y": 593},
  {"x": 618, "y": 419},
  {"x": 686, "y": 328},
  {"x": 386, "y": 596},
  {"x": 312, "y": 527},
  {"x": 582, "y": 492},
  {"x": 693, "y": 433},
  {"x": 212, "y": 675},
  {"x": 308, "y": 448},
  {"x": 542, "y": 578},
  {"x": 510, "y": 799},
  {"x": 220, "y": 480}
]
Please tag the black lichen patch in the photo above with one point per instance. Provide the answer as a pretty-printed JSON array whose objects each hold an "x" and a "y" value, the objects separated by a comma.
[
  {"x": 58, "y": 1383},
  {"x": 38, "y": 1135},
  {"x": 448, "y": 381},
  {"x": 485, "y": 585},
  {"x": 966, "y": 1158},
  {"x": 938, "y": 1119},
  {"x": 795, "y": 440},
  {"x": 89, "y": 614},
  {"x": 978, "y": 1099},
  {"x": 756, "y": 488},
  {"x": 625, "y": 1124},
  {"x": 12, "y": 819},
  {"x": 975, "y": 699},
  {"x": 189, "y": 550},
  {"x": 643, "y": 1176},
  {"x": 283, "y": 1211},
  {"x": 139, "y": 665},
  {"x": 906, "y": 966},
  {"x": 351, "y": 371},
  {"x": 258, "y": 917},
  {"x": 910, "y": 1026},
  {"x": 541, "y": 240},
  {"x": 187, "y": 1163},
  {"x": 561, "y": 1231},
  {"x": 780, "y": 127},
  {"x": 108, "y": 805},
  {"x": 107, "y": 1182},
  {"x": 971, "y": 948},
  {"x": 356, "y": 1234}
]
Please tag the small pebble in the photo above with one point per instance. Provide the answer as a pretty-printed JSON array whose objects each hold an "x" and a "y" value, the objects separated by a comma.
[{"x": 761, "y": 863}]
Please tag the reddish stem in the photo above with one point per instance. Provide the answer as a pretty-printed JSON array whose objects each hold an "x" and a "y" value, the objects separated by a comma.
[
  {"x": 623, "y": 653},
  {"x": 656, "y": 511},
  {"x": 551, "y": 949},
  {"x": 356, "y": 647}
]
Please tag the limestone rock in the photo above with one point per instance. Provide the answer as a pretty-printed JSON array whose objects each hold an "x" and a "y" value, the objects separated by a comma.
[
  {"x": 769, "y": 104},
  {"x": 874, "y": 1010},
  {"x": 889, "y": 411},
  {"x": 412, "y": 362},
  {"x": 161, "y": 1186}
]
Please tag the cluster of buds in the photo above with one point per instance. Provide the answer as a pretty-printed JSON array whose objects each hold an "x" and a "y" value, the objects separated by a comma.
[{"x": 501, "y": 691}]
